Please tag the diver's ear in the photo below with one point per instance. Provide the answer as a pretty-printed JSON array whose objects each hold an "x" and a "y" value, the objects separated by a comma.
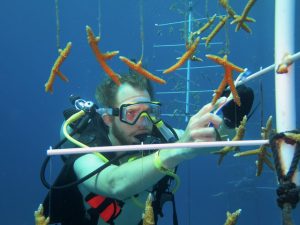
[{"x": 107, "y": 119}]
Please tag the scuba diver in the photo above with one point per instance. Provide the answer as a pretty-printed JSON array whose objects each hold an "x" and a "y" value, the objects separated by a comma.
[{"x": 111, "y": 188}]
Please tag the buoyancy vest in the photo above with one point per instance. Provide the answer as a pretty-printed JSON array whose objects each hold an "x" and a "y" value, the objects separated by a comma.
[
  {"x": 66, "y": 206},
  {"x": 106, "y": 208}
]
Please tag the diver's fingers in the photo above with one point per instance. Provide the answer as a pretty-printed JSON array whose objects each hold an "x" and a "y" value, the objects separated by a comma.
[
  {"x": 204, "y": 121},
  {"x": 210, "y": 118},
  {"x": 209, "y": 107},
  {"x": 203, "y": 134},
  {"x": 204, "y": 110}
]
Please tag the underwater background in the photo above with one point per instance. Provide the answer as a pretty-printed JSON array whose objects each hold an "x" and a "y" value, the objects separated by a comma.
[{"x": 31, "y": 118}]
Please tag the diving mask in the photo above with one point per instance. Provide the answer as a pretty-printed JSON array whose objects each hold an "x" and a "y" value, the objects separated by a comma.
[{"x": 130, "y": 113}]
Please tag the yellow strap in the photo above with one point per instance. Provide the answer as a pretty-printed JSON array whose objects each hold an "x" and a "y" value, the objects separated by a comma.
[{"x": 159, "y": 165}]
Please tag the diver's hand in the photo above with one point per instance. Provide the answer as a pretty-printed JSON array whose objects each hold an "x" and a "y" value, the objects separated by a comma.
[{"x": 198, "y": 130}]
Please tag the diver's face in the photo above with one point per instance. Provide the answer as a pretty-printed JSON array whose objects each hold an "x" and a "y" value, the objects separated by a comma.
[{"x": 124, "y": 133}]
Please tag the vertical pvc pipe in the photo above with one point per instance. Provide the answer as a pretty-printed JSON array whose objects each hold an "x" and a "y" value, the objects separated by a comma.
[
  {"x": 188, "y": 69},
  {"x": 285, "y": 83}
]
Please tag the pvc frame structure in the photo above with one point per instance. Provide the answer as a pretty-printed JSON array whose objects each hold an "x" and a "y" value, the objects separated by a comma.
[{"x": 285, "y": 83}]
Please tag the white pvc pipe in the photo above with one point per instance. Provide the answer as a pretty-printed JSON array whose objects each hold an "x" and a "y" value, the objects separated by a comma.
[
  {"x": 285, "y": 83},
  {"x": 265, "y": 70},
  {"x": 122, "y": 148}
]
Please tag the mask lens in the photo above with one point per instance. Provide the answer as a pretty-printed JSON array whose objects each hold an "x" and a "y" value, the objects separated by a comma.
[{"x": 130, "y": 113}]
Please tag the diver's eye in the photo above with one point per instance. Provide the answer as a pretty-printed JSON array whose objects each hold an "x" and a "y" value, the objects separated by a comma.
[{"x": 131, "y": 114}]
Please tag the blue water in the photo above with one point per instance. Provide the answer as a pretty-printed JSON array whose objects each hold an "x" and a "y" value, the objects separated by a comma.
[{"x": 31, "y": 118}]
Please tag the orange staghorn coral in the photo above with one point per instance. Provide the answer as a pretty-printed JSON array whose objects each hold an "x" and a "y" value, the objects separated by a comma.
[
  {"x": 286, "y": 62},
  {"x": 138, "y": 68},
  {"x": 148, "y": 216},
  {"x": 215, "y": 30},
  {"x": 205, "y": 26},
  {"x": 102, "y": 57},
  {"x": 39, "y": 216},
  {"x": 187, "y": 55},
  {"x": 240, "y": 133},
  {"x": 262, "y": 151},
  {"x": 239, "y": 20},
  {"x": 63, "y": 54},
  {"x": 228, "y": 67},
  {"x": 262, "y": 154},
  {"x": 233, "y": 14}
]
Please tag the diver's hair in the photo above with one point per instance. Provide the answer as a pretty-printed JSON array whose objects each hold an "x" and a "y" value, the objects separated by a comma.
[{"x": 106, "y": 91}]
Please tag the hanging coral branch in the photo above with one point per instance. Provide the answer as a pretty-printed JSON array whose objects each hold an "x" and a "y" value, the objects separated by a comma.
[
  {"x": 239, "y": 20},
  {"x": 228, "y": 68},
  {"x": 102, "y": 57},
  {"x": 233, "y": 14},
  {"x": 138, "y": 68},
  {"x": 187, "y": 55},
  {"x": 56, "y": 68},
  {"x": 218, "y": 27},
  {"x": 205, "y": 26}
]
